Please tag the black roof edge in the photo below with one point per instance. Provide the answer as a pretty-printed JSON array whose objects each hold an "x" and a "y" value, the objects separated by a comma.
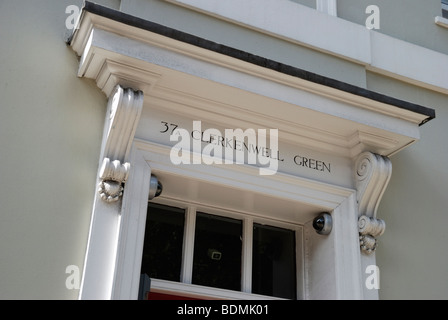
[{"x": 254, "y": 59}]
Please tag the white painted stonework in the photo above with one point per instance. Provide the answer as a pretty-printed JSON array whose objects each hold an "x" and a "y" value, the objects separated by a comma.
[
  {"x": 151, "y": 80},
  {"x": 327, "y": 6},
  {"x": 113, "y": 175},
  {"x": 441, "y": 21},
  {"x": 124, "y": 112},
  {"x": 372, "y": 175}
]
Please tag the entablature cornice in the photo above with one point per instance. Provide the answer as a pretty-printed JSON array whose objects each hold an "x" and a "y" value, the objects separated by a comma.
[{"x": 193, "y": 76}]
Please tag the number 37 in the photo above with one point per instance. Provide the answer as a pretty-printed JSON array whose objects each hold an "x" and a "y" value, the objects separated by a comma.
[{"x": 167, "y": 126}]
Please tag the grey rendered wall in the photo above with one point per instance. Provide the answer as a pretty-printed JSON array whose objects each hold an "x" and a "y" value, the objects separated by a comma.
[
  {"x": 411, "y": 254},
  {"x": 210, "y": 28},
  {"x": 50, "y": 135},
  {"x": 308, "y": 3},
  {"x": 408, "y": 20}
]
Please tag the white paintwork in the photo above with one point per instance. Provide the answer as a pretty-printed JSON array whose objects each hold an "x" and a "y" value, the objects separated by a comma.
[
  {"x": 338, "y": 282},
  {"x": 376, "y": 51},
  {"x": 329, "y": 276},
  {"x": 123, "y": 111},
  {"x": 248, "y": 231},
  {"x": 151, "y": 126},
  {"x": 408, "y": 62},
  {"x": 369, "y": 229},
  {"x": 129, "y": 244},
  {"x": 188, "y": 246},
  {"x": 372, "y": 175},
  {"x": 305, "y": 25},
  {"x": 314, "y": 196},
  {"x": 113, "y": 175},
  {"x": 327, "y": 6},
  {"x": 351, "y": 124},
  {"x": 185, "y": 79},
  {"x": 441, "y": 21},
  {"x": 199, "y": 292}
]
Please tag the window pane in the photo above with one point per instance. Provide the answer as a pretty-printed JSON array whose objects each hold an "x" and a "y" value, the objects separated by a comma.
[
  {"x": 217, "y": 252},
  {"x": 274, "y": 262},
  {"x": 162, "y": 251}
]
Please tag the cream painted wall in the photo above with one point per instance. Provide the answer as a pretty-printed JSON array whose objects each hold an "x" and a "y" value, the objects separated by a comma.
[{"x": 50, "y": 135}]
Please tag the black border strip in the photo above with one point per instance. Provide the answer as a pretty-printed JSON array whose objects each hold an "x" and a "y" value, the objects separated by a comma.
[{"x": 254, "y": 59}]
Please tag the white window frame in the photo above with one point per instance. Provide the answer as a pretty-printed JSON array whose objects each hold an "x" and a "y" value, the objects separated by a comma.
[{"x": 185, "y": 287}]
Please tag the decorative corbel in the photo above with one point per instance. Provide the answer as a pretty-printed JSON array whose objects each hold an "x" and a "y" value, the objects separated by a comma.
[
  {"x": 123, "y": 113},
  {"x": 372, "y": 175},
  {"x": 113, "y": 175}
]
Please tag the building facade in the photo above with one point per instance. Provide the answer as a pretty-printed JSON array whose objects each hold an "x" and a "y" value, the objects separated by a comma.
[{"x": 269, "y": 149}]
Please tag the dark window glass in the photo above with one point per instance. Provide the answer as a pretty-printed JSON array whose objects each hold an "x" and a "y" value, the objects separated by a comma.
[
  {"x": 274, "y": 262},
  {"x": 162, "y": 251},
  {"x": 217, "y": 252}
]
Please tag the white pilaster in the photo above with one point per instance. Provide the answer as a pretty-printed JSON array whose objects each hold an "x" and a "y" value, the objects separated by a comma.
[{"x": 123, "y": 113}]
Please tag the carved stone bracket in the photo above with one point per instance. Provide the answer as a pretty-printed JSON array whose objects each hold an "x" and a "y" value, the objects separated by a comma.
[
  {"x": 113, "y": 175},
  {"x": 369, "y": 230},
  {"x": 123, "y": 113},
  {"x": 372, "y": 175}
]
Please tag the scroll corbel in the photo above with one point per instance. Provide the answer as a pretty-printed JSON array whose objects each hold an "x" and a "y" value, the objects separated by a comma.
[
  {"x": 124, "y": 109},
  {"x": 372, "y": 175},
  {"x": 113, "y": 175},
  {"x": 369, "y": 230}
]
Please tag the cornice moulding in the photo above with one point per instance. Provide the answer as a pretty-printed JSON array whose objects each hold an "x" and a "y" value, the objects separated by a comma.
[
  {"x": 377, "y": 52},
  {"x": 116, "y": 52},
  {"x": 176, "y": 41}
]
